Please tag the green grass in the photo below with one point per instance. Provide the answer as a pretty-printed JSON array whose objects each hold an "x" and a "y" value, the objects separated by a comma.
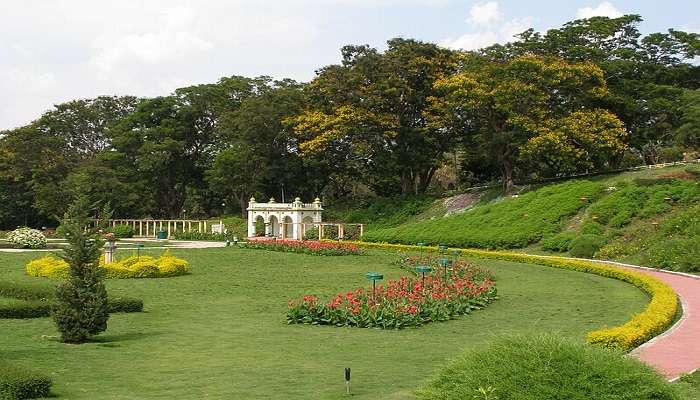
[
  {"x": 689, "y": 386},
  {"x": 220, "y": 332},
  {"x": 547, "y": 367},
  {"x": 379, "y": 212}
]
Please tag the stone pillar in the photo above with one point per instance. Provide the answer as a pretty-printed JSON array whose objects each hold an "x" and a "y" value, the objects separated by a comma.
[
  {"x": 109, "y": 247},
  {"x": 341, "y": 232},
  {"x": 268, "y": 229},
  {"x": 251, "y": 217}
]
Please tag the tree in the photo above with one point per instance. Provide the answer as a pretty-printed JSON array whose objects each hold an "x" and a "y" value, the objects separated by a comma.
[
  {"x": 582, "y": 141},
  {"x": 688, "y": 133},
  {"x": 503, "y": 104},
  {"x": 646, "y": 75},
  {"x": 367, "y": 114},
  {"x": 81, "y": 309}
]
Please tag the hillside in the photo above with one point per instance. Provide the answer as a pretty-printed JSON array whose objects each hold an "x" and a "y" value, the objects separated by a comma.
[{"x": 651, "y": 217}]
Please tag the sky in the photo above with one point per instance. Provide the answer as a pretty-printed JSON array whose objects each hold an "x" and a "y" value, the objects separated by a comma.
[{"x": 52, "y": 51}]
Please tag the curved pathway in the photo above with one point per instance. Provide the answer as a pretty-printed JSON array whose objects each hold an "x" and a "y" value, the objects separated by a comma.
[{"x": 676, "y": 351}]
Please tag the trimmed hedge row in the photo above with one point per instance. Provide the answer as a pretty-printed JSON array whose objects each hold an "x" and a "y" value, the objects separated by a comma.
[
  {"x": 165, "y": 266},
  {"x": 20, "y": 383},
  {"x": 31, "y": 301},
  {"x": 657, "y": 317}
]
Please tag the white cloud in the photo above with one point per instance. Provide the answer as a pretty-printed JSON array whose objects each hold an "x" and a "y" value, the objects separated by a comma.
[
  {"x": 492, "y": 28},
  {"x": 604, "y": 9},
  {"x": 484, "y": 13}
]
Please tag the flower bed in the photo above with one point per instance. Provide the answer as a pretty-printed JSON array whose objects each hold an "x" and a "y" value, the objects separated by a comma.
[
  {"x": 657, "y": 317},
  {"x": 166, "y": 265},
  {"x": 323, "y": 248},
  {"x": 403, "y": 302}
]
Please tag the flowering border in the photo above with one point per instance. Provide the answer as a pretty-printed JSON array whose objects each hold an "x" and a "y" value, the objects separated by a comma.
[{"x": 656, "y": 318}]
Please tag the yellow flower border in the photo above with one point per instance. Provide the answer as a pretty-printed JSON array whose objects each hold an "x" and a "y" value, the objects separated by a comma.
[{"x": 656, "y": 318}]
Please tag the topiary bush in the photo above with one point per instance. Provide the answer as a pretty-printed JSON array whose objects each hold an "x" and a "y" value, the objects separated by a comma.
[
  {"x": 585, "y": 246},
  {"x": 560, "y": 242},
  {"x": 19, "y": 383},
  {"x": 27, "y": 238},
  {"x": 546, "y": 367},
  {"x": 120, "y": 231}
]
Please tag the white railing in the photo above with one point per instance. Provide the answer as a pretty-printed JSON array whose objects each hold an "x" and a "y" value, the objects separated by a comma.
[{"x": 151, "y": 227}]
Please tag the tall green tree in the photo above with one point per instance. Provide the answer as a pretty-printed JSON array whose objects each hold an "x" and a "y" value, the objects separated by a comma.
[
  {"x": 503, "y": 105},
  {"x": 368, "y": 115}
]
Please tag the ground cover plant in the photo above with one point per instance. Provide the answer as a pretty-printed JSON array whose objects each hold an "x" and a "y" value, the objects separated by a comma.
[
  {"x": 510, "y": 223},
  {"x": 546, "y": 367},
  {"x": 134, "y": 266},
  {"x": 405, "y": 302},
  {"x": 242, "y": 354},
  {"x": 322, "y": 248}
]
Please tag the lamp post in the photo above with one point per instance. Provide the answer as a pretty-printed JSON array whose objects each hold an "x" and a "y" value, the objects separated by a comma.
[{"x": 374, "y": 277}]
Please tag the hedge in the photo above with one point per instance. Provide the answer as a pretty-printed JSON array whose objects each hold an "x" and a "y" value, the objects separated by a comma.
[
  {"x": 657, "y": 317},
  {"x": 21, "y": 383},
  {"x": 31, "y": 301}
]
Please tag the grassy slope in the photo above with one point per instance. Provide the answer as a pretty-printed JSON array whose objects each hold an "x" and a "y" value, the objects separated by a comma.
[
  {"x": 220, "y": 332},
  {"x": 652, "y": 217}
]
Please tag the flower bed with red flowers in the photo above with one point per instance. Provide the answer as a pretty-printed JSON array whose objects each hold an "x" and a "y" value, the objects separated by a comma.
[
  {"x": 409, "y": 301},
  {"x": 306, "y": 247}
]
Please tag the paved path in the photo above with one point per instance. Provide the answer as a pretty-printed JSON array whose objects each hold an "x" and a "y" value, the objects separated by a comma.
[{"x": 677, "y": 351}]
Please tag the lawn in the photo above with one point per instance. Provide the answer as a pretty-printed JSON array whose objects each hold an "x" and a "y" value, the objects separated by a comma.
[{"x": 221, "y": 333}]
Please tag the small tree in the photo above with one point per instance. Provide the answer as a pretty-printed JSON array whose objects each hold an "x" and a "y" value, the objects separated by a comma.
[{"x": 81, "y": 301}]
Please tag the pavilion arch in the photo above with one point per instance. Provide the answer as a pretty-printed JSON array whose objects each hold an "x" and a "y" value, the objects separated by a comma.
[{"x": 283, "y": 220}]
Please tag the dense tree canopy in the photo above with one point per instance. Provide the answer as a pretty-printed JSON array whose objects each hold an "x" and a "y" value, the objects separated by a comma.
[{"x": 588, "y": 96}]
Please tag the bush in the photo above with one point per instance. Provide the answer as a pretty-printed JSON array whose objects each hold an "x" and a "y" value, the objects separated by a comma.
[
  {"x": 19, "y": 383},
  {"x": 212, "y": 237},
  {"x": 320, "y": 248},
  {"x": 546, "y": 367},
  {"x": 48, "y": 266},
  {"x": 120, "y": 231},
  {"x": 60, "y": 232},
  {"x": 27, "y": 238},
  {"x": 585, "y": 246},
  {"x": 166, "y": 265},
  {"x": 560, "y": 242},
  {"x": 34, "y": 301}
]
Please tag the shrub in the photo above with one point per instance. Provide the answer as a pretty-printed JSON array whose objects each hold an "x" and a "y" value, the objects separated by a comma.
[
  {"x": 20, "y": 383},
  {"x": 585, "y": 246},
  {"x": 60, "y": 232},
  {"x": 214, "y": 237},
  {"x": 546, "y": 367},
  {"x": 403, "y": 302},
  {"x": 166, "y": 265},
  {"x": 656, "y": 317},
  {"x": 560, "y": 242},
  {"x": 48, "y": 266},
  {"x": 311, "y": 234},
  {"x": 682, "y": 254},
  {"x": 34, "y": 301},
  {"x": 322, "y": 248},
  {"x": 120, "y": 231},
  {"x": 80, "y": 310},
  {"x": 27, "y": 238}
]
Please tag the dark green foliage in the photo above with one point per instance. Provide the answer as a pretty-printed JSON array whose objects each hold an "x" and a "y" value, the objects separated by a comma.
[
  {"x": 81, "y": 309},
  {"x": 509, "y": 223},
  {"x": 380, "y": 212},
  {"x": 19, "y": 383},
  {"x": 546, "y": 367},
  {"x": 560, "y": 242},
  {"x": 214, "y": 237},
  {"x": 585, "y": 246},
  {"x": 124, "y": 304},
  {"x": 120, "y": 231}
]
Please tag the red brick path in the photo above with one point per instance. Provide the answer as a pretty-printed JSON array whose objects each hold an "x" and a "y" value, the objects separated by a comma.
[{"x": 677, "y": 351}]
